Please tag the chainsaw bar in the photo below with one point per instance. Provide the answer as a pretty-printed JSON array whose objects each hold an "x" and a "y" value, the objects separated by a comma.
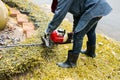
[
  {"x": 21, "y": 45},
  {"x": 45, "y": 42}
]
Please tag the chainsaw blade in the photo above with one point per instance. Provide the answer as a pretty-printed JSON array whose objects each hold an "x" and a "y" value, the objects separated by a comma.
[{"x": 20, "y": 45}]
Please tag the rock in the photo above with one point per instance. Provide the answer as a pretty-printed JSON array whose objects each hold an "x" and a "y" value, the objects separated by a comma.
[
  {"x": 100, "y": 43},
  {"x": 22, "y": 18},
  {"x": 3, "y": 15},
  {"x": 0, "y": 56},
  {"x": 14, "y": 12},
  {"x": 28, "y": 26},
  {"x": 29, "y": 33}
]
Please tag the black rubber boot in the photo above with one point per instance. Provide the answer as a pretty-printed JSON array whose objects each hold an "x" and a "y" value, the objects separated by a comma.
[
  {"x": 71, "y": 60},
  {"x": 90, "y": 50}
]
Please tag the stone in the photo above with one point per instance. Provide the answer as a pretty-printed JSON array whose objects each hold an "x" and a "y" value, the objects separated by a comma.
[
  {"x": 0, "y": 56},
  {"x": 28, "y": 26},
  {"x": 22, "y": 18},
  {"x": 14, "y": 12},
  {"x": 3, "y": 15},
  {"x": 29, "y": 33}
]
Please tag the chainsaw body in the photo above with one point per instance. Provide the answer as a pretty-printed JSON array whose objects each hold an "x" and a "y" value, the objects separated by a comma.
[{"x": 58, "y": 36}]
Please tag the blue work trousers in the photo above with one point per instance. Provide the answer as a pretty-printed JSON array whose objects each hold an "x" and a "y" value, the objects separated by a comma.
[{"x": 89, "y": 30}]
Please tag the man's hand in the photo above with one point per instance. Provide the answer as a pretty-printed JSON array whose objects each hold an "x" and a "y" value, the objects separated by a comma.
[
  {"x": 46, "y": 39},
  {"x": 47, "y": 31}
]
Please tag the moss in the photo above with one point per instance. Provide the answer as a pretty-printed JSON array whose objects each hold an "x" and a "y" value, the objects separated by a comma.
[
  {"x": 41, "y": 62},
  {"x": 105, "y": 66}
]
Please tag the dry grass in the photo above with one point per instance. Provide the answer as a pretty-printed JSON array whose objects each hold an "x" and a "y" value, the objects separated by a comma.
[{"x": 41, "y": 62}]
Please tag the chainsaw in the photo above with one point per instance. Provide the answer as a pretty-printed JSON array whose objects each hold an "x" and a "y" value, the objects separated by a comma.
[{"x": 58, "y": 36}]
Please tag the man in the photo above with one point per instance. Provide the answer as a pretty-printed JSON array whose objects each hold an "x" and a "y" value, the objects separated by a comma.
[{"x": 86, "y": 14}]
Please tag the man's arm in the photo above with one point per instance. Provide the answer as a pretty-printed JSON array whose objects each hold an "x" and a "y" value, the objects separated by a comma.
[
  {"x": 60, "y": 13},
  {"x": 54, "y": 5}
]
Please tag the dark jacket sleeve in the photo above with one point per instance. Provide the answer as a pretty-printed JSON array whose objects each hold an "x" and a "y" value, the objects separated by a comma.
[
  {"x": 60, "y": 13},
  {"x": 54, "y": 5}
]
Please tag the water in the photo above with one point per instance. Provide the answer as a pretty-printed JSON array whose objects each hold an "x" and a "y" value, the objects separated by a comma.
[
  {"x": 109, "y": 25},
  {"x": 41, "y": 2}
]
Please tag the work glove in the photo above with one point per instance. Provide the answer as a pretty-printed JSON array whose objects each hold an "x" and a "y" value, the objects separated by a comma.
[
  {"x": 46, "y": 39},
  {"x": 47, "y": 31}
]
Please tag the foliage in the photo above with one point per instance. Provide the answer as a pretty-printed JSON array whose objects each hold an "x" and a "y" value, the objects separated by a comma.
[{"x": 40, "y": 62}]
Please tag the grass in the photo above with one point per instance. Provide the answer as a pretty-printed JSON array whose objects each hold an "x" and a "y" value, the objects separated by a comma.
[
  {"x": 104, "y": 67},
  {"x": 38, "y": 63}
]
